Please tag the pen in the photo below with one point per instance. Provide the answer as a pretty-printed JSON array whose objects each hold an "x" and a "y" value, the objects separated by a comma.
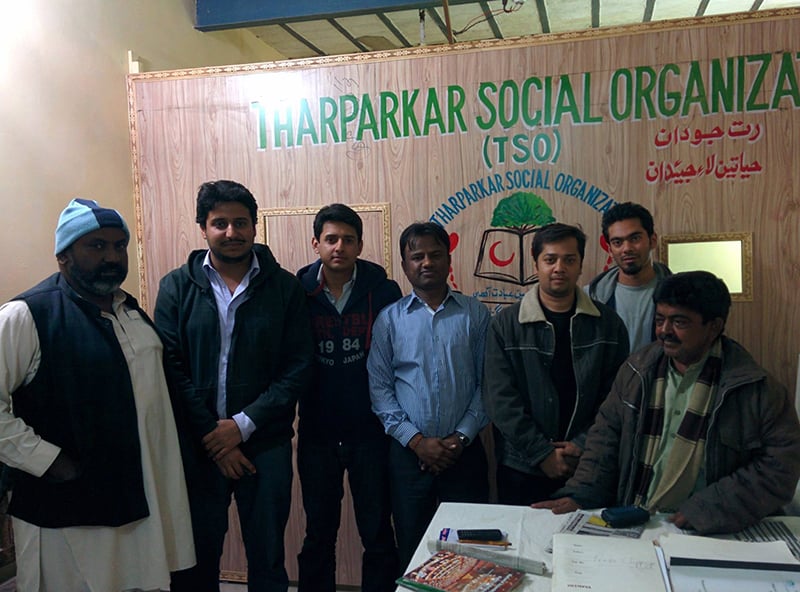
[{"x": 494, "y": 543}]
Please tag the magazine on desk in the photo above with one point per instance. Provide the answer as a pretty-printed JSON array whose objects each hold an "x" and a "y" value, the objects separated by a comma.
[
  {"x": 446, "y": 571},
  {"x": 583, "y": 522},
  {"x": 678, "y": 563}
]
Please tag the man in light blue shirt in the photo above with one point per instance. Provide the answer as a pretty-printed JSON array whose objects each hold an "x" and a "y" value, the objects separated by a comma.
[{"x": 425, "y": 369}]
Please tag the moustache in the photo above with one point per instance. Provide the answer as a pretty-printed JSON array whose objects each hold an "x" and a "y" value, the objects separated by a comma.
[
  {"x": 670, "y": 339},
  {"x": 111, "y": 268}
]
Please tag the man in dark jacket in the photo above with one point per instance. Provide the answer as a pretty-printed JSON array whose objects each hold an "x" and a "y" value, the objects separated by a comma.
[
  {"x": 628, "y": 287},
  {"x": 550, "y": 361},
  {"x": 240, "y": 325},
  {"x": 337, "y": 429},
  {"x": 692, "y": 426}
]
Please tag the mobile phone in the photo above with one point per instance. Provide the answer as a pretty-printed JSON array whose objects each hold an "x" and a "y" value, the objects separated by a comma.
[
  {"x": 480, "y": 534},
  {"x": 623, "y": 516}
]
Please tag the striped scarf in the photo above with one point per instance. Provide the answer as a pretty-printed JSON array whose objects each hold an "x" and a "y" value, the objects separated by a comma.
[{"x": 686, "y": 457}]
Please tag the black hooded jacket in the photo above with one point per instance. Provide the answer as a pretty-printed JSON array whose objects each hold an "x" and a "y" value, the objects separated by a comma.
[{"x": 270, "y": 359}]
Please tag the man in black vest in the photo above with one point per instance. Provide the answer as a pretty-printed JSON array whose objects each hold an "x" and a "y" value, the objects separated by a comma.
[{"x": 99, "y": 500}]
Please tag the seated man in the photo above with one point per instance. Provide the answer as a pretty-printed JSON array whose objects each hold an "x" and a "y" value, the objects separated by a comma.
[{"x": 692, "y": 426}]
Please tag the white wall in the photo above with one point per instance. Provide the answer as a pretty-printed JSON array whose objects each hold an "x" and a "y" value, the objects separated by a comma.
[{"x": 63, "y": 110}]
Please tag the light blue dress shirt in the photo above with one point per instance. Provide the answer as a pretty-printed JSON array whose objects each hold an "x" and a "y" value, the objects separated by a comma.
[{"x": 425, "y": 367}]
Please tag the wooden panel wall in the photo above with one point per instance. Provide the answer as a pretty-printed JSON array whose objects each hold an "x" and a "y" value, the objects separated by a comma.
[{"x": 192, "y": 126}]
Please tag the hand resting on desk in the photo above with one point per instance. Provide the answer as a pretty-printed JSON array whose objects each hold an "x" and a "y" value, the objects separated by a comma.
[
  {"x": 565, "y": 505},
  {"x": 679, "y": 520},
  {"x": 562, "y": 505}
]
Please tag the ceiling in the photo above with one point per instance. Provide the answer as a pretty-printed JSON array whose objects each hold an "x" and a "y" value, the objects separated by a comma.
[{"x": 481, "y": 20}]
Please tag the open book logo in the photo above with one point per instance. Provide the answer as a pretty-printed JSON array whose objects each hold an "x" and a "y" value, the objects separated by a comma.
[{"x": 504, "y": 249}]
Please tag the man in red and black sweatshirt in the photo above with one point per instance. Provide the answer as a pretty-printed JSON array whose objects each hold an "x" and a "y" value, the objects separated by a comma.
[{"x": 337, "y": 429}]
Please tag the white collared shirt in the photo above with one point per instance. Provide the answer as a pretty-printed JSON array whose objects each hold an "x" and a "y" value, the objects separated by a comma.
[{"x": 227, "y": 305}]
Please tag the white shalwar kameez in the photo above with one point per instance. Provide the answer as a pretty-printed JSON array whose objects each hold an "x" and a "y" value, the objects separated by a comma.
[{"x": 135, "y": 556}]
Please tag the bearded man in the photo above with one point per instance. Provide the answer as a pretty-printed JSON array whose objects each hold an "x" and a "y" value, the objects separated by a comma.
[{"x": 99, "y": 499}]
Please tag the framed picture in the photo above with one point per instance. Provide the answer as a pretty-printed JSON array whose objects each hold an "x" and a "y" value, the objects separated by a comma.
[
  {"x": 728, "y": 255},
  {"x": 288, "y": 233}
]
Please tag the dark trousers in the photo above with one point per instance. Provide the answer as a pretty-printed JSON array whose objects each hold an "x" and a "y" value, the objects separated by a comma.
[
  {"x": 417, "y": 493},
  {"x": 263, "y": 501},
  {"x": 321, "y": 468},
  {"x": 515, "y": 488}
]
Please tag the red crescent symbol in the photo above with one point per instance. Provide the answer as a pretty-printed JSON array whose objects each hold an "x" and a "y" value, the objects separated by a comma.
[{"x": 495, "y": 260}]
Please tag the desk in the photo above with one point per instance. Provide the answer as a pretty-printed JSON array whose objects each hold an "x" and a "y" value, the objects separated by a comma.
[{"x": 529, "y": 531}]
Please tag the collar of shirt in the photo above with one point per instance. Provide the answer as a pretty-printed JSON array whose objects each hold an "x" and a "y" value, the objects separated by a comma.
[
  {"x": 686, "y": 380},
  {"x": 415, "y": 301},
  {"x": 347, "y": 289},
  {"x": 218, "y": 283},
  {"x": 117, "y": 300}
]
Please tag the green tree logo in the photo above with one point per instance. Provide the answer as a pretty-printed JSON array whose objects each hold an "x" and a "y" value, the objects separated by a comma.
[
  {"x": 522, "y": 211},
  {"x": 505, "y": 248}
]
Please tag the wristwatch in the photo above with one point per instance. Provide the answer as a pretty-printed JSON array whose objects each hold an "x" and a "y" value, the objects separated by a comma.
[{"x": 462, "y": 439}]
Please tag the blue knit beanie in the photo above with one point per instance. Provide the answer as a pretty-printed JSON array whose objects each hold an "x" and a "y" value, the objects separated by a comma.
[{"x": 82, "y": 216}]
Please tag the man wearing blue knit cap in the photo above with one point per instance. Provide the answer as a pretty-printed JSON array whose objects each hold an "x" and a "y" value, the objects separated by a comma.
[{"x": 98, "y": 497}]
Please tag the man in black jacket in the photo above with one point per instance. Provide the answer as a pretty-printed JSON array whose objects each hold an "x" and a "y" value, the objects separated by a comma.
[
  {"x": 550, "y": 360},
  {"x": 240, "y": 325},
  {"x": 338, "y": 430}
]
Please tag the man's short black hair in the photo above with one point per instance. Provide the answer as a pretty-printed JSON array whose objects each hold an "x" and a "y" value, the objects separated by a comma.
[
  {"x": 337, "y": 212},
  {"x": 222, "y": 191},
  {"x": 419, "y": 229},
  {"x": 699, "y": 291},
  {"x": 555, "y": 233},
  {"x": 627, "y": 211}
]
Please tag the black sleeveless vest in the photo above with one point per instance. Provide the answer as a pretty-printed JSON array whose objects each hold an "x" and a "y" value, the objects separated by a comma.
[{"x": 81, "y": 399}]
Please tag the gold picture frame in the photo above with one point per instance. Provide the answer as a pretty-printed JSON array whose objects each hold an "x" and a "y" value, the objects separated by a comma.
[
  {"x": 297, "y": 222},
  {"x": 728, "y": 255}
]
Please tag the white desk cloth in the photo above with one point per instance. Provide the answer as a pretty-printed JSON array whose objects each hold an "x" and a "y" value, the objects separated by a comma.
[{"x": 529, "y": 531}]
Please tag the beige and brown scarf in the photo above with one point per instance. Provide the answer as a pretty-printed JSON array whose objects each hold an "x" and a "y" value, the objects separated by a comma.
[{"x": 686, "y": 457}]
